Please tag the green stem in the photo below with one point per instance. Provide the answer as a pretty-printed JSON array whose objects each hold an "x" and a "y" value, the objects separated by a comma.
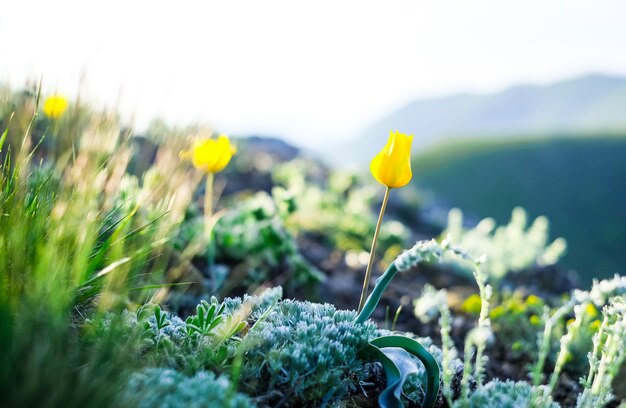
[
  {"x": 208, "y": 200},
  {"x": 377, "y": 293},
  {"x": 370, "y": 263}
]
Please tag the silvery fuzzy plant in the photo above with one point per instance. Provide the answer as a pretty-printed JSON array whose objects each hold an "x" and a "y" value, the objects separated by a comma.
[
  {"x": 496, "y": 393},
  {"x": 607, "y": 356},
  {"x": 392, "y": 351},
  {"x": 435, "y": 302},
  {"x": 609, "y": 342},
  {"x": 511, "y": 248},
  {"x": 431, "y": 304}
]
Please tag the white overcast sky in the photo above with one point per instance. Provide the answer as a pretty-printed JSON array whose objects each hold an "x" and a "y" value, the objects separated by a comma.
[{"x": 312, "y": 72}]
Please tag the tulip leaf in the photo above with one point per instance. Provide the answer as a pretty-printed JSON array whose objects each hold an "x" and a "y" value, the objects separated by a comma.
[
  {"x": 372, "y": 300},
  {"x": 405, "y": 365},
  {"x": 389, "y": 346},
  {"x": 390, "y": 396}
]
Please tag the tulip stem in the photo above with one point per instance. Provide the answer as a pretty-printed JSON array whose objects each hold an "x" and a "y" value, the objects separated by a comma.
[
  {"x": 208, "y": 199},
  {"x": 370, "y": 263}
]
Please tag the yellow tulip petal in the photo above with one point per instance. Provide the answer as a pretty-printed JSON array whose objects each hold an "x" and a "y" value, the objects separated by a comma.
[
  {"x": 392, "y": 165},
  {"x": 212, "y": 156},
  {"x": 55, "y": 106}
]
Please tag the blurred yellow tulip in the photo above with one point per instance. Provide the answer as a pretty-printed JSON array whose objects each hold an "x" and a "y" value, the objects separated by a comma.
[
  {"x": 392, "y": 166},
  {"x": 211, "y": 156},
  {"x": 55, "y": 106}
]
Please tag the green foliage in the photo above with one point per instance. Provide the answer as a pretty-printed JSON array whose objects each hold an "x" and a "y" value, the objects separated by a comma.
[
  {"x": 305, "y": 354},
  {"x": 428, "y": 252},
  {"x": 251, "y": 246},
  {"x": 516, "y": 322},
  {"x": 402, "y": 357},
  {"x": 254, "y": 233},
  {"x": 80, "y": 239},
  {"x": 507, "y": 394},
  {"x": 167, "y": 388},
  {"x": 49, "y": 363},
  {"x": 69, "y": 248},
  {"x": 451, "y": 370},
  {"x": 65, "y": 232},
  {"x": 478, "y": 338},
  {"x": 575, "y": 342},
  {"x": 430, "y": 304},
  {"x": 509, "y": 248},
  {"x": 335, "y": 207},
  {"x": 208, "y": 317},
  {"x": 205, "y": 341},
  {"x": 607, "y": 356}
]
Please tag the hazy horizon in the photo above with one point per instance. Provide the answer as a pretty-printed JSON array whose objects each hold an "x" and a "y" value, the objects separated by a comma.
[{"x": 311, "y": 73}]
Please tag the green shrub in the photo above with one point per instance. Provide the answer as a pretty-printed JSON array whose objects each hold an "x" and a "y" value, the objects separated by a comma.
[
  {"x": 516, "y": 322},
  {"x": 250, "y": 246},
  {"x": 507, "y": 394},
  {"x": 305, "y": 354},
  {"x": 167, "y": 388}
]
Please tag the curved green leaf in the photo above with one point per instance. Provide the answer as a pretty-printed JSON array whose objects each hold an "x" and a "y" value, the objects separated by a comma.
[
  {"x": 390, "y": 396},
  {"x": 430, "y": 364},
  {"x": 405, "y": 364},
  {"x": 372, "y": 300}
]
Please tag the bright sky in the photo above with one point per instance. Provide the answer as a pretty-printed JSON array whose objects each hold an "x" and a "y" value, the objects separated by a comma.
[{"x": 313, "y": 72}]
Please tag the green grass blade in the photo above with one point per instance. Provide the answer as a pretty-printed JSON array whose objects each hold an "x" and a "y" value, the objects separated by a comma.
[{"x": 3, "y": 138}]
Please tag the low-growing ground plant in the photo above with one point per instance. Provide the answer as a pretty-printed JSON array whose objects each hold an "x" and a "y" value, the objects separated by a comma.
[
  {"x": 249, "y": 246},
  {"x": 308, "y": 200},
  {"x": 509, "y": 248},
  {"x": 167, "y": 388},
  {"x": 515, "y": 320},
  {"x": 566, "y": 335}
]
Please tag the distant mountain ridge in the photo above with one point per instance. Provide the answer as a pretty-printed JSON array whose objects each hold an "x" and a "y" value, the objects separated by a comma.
[{"x": 588, "y": 104}]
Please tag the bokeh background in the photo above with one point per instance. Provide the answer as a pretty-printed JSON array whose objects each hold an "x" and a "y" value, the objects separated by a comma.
[{"x": 518, "y": 103}]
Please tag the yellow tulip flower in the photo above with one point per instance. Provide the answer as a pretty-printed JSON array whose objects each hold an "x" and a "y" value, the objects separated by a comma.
[
  {"x": 55, "y": 106},
  {"x": 392, "y": 166},
  {"x": 212, "y": 156}
]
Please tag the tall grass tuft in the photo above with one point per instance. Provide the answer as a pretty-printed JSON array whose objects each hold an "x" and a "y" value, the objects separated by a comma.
[{"x": 78, "y": 237}]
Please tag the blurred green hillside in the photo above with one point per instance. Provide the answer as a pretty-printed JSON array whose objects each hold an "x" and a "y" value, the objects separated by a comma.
[{"x": 578, "y": 183}]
